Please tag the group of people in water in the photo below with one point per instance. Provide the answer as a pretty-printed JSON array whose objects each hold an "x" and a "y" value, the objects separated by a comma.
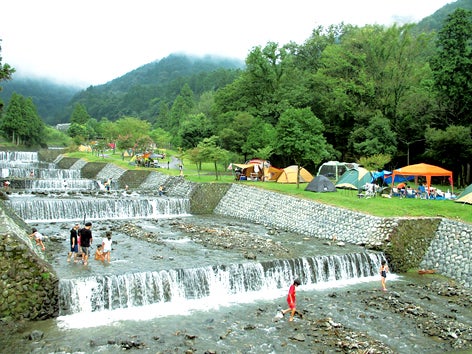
[{"x": 81, "y": 240}]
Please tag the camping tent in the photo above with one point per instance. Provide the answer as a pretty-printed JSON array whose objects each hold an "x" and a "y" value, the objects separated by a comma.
[
  {"x": 424, "y": 170},
  {"x": 355, "y": 178},
  {"x": 289, "y": 175},
  {"x": 465, "y": 196},
  {"x": 332, "y": 169},
  {"x": 321, "y": 184},
  {"x": 258, "y": 169}
]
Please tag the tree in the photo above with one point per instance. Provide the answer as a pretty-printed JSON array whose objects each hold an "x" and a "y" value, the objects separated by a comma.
[
  {"x": 260, "y": 138},
  {"x": 134, "y": 133},
  {"x": 6, "y": 71},
  {"x": 79, "y": 115},
  {"x": 209, "y": 151},
  {"x": 375, "y": 162},
  {"x": 195, "y": 155},
  {"x": 452, "y": 68},
  {"x": 194, "y": 129},
  {"x": 182, "y": 106},
  {"x": 300, "y": 138},
  {"x": 161, "y": 137},
  {"x": 21, "y": 122},
  {"x": 453, "y": 148},
  {"x": 80, "y": 129},
  {"x": 365, "y": 71},
  {"x": 78, "y": 133},
  {"x": 374, "y": 139}
]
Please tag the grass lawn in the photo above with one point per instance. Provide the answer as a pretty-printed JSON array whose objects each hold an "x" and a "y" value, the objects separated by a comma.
[{"x": 383, "y": 207}]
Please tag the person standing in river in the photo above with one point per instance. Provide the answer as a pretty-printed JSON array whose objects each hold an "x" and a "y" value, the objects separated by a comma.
[
  {"x": 383, "y": 274},
  {"x": 106, "y": 247},
  {"x": 292, "y": 300},
  {"x": 86, "y": 240},
  {"x": 74, "y": 243}
]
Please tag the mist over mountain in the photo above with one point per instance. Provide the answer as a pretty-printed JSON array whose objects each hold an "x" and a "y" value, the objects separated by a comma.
[
  {"x": 159, "y": 81},
  {"x": 435, "y": 21},
  {"x": 49, "y": 97},
  {"x": 140, "y": 92}
]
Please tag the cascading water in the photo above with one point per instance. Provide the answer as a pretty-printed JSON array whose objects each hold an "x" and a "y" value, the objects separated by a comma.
[
  {"x": 19, "y": 156},
  {"x": 62, "y": 184},
  {"x": 40, "y": 209},
  {"x": 26, "y": 165},
  {"x": 214, "y": 284}
]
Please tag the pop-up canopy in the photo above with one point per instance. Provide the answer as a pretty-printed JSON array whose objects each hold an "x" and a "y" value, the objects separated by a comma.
[{"x": 423, "y": 170}]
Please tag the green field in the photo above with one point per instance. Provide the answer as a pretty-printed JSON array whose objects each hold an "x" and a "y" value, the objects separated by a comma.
[{"x": 383, "y": 207}]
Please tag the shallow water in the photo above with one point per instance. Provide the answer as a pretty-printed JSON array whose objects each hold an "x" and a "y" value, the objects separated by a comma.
[
  {"x": 243, "y": 323},
  {"x": 174, "y": 249},
  {"x": 251, "y": 326}
]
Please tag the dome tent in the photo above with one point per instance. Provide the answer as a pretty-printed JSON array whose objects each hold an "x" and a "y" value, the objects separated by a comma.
[
  {"x": 321, "y": 184},
  {"x": 289, "y": 175},
  {"x": 355, "y": 178},
  {"x": 465, "y": 196}
]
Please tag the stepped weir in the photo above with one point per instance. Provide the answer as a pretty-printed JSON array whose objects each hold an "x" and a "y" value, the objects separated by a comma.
[
  {"x": 214, "y": 282},
  {"x": 173, "y": 275}
]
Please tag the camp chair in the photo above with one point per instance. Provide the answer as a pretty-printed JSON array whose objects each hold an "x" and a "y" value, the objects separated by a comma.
[
  {"x": 410, "y": 193},
  {"x": 369, "y": 190},
  {"x": 422, "y": 194},
  {"x": 396, "y": 192}
]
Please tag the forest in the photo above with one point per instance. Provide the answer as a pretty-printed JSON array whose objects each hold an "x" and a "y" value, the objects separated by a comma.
[{"x": 381, "y": 96}]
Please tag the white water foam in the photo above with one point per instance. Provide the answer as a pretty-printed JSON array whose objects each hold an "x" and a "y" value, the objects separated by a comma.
[{"x": 217, "y": 300}]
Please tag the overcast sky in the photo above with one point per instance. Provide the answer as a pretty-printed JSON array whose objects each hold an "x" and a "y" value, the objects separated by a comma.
[{"x": 90, "y": 42}]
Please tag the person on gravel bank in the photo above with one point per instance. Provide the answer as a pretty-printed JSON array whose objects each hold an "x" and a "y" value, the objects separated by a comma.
[{"x": 291, "y": 300}]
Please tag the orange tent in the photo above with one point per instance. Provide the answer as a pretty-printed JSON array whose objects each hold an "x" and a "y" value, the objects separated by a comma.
[{"x": 423, "y": 170}]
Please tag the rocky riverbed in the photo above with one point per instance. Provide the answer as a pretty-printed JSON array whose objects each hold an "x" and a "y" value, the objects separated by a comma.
[
  {"x": 250, "y": 245},
  {"x": 418, "y": 314},
  {"x": 430, "y": 315}
]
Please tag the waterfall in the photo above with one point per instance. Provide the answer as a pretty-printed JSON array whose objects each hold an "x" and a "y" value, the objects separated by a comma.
[
  {"x": 24, "y": 156},
  {"x": 59, "y": 174},
  {"x": 20, "y": 164},
  {"x": 212, "y": 284},
  {"x": 37, "y": 209},
  {"x": 63, "y": 184}
]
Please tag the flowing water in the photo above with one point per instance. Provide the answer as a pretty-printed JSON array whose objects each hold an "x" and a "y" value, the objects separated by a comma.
[{"x": 168, "y": 292}]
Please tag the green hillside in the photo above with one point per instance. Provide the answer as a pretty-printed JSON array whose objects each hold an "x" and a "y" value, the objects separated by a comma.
[{"x": 141, "y": 92}]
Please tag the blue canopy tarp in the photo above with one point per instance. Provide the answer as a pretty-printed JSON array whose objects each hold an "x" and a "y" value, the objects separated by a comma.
[{"x": 387, "y": 177}]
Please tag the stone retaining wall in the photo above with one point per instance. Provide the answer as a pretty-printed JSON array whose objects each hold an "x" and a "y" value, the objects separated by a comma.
[
  {"x": 303, "y": 216},
  {"x": 450, "y": 252},
  {"x": 427, "y": 243},
  {"x": 28, "y": 284}
]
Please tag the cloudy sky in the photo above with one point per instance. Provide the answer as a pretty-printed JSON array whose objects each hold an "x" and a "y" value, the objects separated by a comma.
[{"x": 90, "y": 42}]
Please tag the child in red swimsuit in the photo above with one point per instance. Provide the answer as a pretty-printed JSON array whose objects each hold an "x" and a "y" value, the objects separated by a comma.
[{"x": 291, "y": 300}]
